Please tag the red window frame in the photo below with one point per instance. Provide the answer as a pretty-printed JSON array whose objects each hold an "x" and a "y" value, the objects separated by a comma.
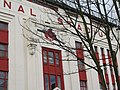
[
  {"x": 81, "y": 66},
  {"x": 53, "y": 69},
  {"x": 4, "y": 51}
]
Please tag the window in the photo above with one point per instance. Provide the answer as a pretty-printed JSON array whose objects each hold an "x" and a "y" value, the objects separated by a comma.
[
  {"x": 100, "y": 86},
  {"x": 78, "y": 45},
  {"x": 95, "y": 48},
  {"x": 105, "y": 68},
  {"x": 51, "y": 57},
  {"x": 3, "y": 26},
  {"x": 52, "y": 69},
  {"x": 114, "y": 87},
  {"x": 59, "y": 81},
  {"x": 107, "y": 86},
  {"x": 3, "y": 51},
  {"x": 83, "y": 85},
  {"x": 52, "y": 81},
  {"x": 103, "y": 56},
  {"x": 46, "y": 82},
  {"x": 81, "y": 66},
  {"x": 111, "y": 69},
  {"x": 3, "y": 80},
  {"x": 96, "y": 52},
  {"x": 3, "y": 56},
  {"x": 102, "y": 50},
  {"x": 45, "y": 56},
  {"x": 79, "y": 52},
  {"x": 57, "y": 58}
]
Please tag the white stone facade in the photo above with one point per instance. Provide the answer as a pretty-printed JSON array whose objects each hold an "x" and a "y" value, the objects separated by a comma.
[{"x": 25, "y": 70}]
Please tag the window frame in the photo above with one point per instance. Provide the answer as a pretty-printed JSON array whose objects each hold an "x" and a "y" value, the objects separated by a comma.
[
  {"x": 53, "y": 69},
  {"x": 54, "y": 51},
  {"x": 4, "y": 51}
]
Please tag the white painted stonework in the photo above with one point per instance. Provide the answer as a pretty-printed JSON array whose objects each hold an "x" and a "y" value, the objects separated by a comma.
[{"x": 25, "y": 70}]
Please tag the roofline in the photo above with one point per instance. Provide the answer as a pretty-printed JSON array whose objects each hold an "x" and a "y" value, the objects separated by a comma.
[{"x": 55, "y": 5}]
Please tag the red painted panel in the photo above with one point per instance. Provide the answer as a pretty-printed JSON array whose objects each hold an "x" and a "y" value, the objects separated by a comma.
[
  {"x": 4, "y": 64},
  {"x": 113, "y": 79},
  {"x": 82, "y": 75},
  {"x": 53, "y": 69},
  {"x": 99, "y": 78},
  {"x": 103, "y": 58},
  {"x": 4, "y": 37},
  {"x": 58, "y": 71},
  {"x": 97, "y": 56},
  {"x": 45, "y": 69},
  {"x": 110, "y": 60},
  {"x": 116, "y": 62},
  {"x": 80, "y": 54},
  {"x": 106, "y": 77}
]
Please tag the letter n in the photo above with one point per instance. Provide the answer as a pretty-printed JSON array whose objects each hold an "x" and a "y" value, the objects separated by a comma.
[{"x": 8, "y": 4}]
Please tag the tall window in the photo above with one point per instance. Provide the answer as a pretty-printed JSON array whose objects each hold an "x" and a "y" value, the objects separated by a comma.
[
  {"x": 3, "y": 56},
  {"x": 52, "y": 68},
  {"x": 81, "y": 66},
  {"x": 79, "y": 52}
]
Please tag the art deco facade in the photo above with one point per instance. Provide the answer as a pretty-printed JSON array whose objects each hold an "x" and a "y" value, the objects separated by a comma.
[{"x": 37, "y": 66}]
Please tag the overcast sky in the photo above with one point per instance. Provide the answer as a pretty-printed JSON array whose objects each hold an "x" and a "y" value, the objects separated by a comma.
[{"x": 109, "y": 5}]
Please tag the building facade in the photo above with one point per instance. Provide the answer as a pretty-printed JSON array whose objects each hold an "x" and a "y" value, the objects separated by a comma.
[{"x": 28, "y": 64}]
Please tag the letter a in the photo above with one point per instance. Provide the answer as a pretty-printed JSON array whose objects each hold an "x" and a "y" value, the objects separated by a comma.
[{"x": 20, "y": 9}]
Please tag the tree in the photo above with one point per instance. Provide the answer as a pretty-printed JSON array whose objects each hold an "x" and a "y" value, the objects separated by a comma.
[{"x": 94, "y": 18}]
